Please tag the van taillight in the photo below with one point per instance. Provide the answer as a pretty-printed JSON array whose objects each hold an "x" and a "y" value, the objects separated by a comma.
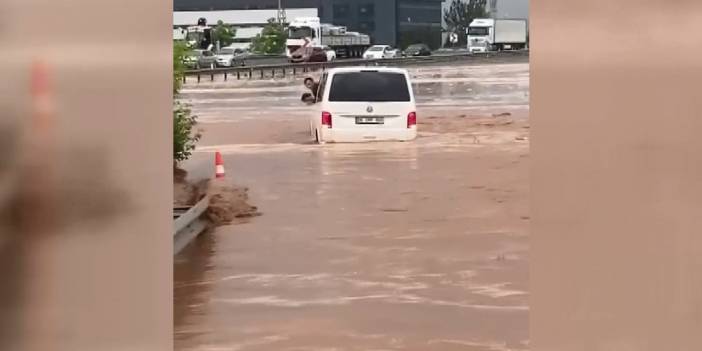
[
  {"x": 411, "y": 119},
  {"x": 327, "y": 119}
]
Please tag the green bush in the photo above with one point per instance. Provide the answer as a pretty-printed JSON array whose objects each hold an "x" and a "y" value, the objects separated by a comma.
[
  {"x": 184, "y": 138},
  {"x": 271, "y": 40}
]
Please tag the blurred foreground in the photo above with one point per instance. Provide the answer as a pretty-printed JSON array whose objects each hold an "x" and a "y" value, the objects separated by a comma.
[{"x": 83, "y": 201}]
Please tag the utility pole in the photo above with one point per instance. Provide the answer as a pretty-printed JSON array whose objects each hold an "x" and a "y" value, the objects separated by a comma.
[{"x": 281, "y": 13}]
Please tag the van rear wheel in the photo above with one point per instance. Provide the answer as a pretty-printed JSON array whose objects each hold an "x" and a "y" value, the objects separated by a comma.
[{"x": 317, "y": 139}]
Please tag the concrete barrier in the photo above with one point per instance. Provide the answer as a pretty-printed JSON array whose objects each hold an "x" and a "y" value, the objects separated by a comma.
[{"x": 282, "y": 70}]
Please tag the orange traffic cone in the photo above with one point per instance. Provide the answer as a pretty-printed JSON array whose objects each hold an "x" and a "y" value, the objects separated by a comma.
[
  {"x": 219, "y": 165},
  {"x": 42, "y": 96}
]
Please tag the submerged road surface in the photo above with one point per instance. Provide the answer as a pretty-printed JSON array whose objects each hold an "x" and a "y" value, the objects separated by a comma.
[{"x": 381, "y": 246}]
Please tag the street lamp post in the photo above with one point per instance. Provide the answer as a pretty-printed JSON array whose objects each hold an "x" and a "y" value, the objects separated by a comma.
[{"x": 281, "y": 13}]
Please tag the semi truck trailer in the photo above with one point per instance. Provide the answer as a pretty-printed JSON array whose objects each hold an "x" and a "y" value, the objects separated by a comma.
[
  {"x": 309, "y": 31},
  {"x": 488, "y": 34}
]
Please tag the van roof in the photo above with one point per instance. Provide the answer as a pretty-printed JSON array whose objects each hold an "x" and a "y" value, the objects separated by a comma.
[{"x": 361, "y": 69}]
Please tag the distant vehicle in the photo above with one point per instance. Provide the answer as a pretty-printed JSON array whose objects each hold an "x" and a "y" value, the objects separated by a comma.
[
  {"x": 380, "y": 52},
  {"x": 310, "y": 32},
  {"x": 417, "y": 50},
  {"x": 356, "y": 104},
  {"x": 331, "y": 53},
  {"x": 487, "y": 34},
  {"x": 450, "y": 50},
  {"x": 226, "y": 57},
  {"x": 200, "y": 59},
  {"x": 249, "y": 58},
  {"x": 309, "y": 54}
]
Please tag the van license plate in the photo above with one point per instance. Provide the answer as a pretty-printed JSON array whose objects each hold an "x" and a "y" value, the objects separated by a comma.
[{"x": 370, "y": 120}]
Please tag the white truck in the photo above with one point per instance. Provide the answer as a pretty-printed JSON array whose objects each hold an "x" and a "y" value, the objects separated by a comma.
[
  {"x": 309, "y": 31},
  {"x": 200, "y": 36},
  {"x": 488, "y": 34}
]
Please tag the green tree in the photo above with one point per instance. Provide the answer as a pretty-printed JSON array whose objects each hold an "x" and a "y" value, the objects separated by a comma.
[
  {"x": 271, "y": 40},
  {"x": 180, "y": 49},
  {"x": 184, "y": 138},
  {"x": 224, "y": 34},
  {"x": 461, "y": 13}
]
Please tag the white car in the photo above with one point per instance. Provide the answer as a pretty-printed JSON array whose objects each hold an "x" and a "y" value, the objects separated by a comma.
[
  {"x": 357, "y": 104},
  {"x": 376, "y": 52},
  {"x": 226, "y": 57},
  {"x": 331, "y": 53}
]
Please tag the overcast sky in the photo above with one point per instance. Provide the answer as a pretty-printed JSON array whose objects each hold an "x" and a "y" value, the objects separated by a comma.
[{"x": 506, "y": 8}]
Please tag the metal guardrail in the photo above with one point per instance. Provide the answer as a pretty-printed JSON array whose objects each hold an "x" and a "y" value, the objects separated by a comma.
[
  {"x": 261, "y": 71},
  {"x": 188, "y": 224}
]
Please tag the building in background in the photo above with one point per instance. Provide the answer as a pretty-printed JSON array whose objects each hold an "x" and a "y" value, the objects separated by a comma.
[
  {"x": 373, "y": 17},
  {"x": 393, "y": 22},
  {"x": 419, "y": 21},
  {"x": 217, "y": 5},
  {"x": 244, "y": 18}
]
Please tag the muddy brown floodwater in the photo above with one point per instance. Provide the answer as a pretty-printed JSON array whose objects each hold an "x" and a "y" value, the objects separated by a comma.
[{"x": 381, "y": 246}]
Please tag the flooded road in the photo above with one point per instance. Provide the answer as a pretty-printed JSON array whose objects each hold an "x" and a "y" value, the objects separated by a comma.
[{"x": 386, "y": 246}]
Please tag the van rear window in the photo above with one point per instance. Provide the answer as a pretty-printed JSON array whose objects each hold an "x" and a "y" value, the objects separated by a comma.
[{"x": 369, "y": 86}]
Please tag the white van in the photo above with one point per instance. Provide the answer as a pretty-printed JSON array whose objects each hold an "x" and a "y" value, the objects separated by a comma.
[{"x": 357, "y": 104}]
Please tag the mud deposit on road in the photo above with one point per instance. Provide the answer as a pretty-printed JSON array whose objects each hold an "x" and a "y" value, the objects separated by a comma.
[
  {"x": 228, "y": 203},
  {"x": 380, "y": 246}
]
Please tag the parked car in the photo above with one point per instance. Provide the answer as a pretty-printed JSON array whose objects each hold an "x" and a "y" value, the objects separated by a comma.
[
  {"x": 380, "y": 52},
  {"x": 309, "y": 54},
  {"x": 242, "y": 58},
  {"x": 331, "y": 53},
  {"x": 226, "y": 57},
  {"x": 357, "y": 104},
  {"x": 417, "y": 50},
  {"x": 200, "y": 59}
]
